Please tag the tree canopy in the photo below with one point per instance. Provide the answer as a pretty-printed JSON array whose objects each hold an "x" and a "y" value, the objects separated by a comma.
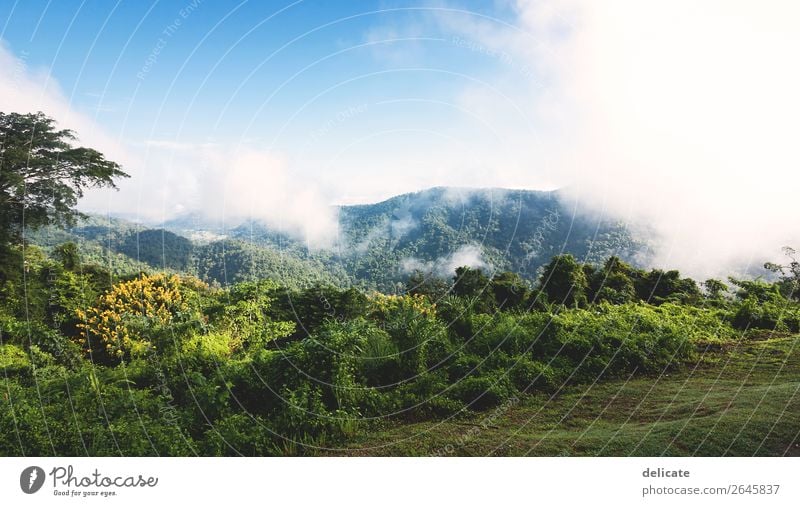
[{"x": 42, "y": 175}]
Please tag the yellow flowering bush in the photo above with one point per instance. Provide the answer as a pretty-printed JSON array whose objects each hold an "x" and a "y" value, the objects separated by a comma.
[
  {"x": 115, "y": 324},
  {"x": 387, "y": 305}
]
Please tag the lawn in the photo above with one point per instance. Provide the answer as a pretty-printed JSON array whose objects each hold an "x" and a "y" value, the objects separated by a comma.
[{"x": 739, "y": 399}]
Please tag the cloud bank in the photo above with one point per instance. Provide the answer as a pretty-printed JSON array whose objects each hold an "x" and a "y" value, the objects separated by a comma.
[
  {"x": 678, "y": 115},
  {"x": 470, "y": 255}
]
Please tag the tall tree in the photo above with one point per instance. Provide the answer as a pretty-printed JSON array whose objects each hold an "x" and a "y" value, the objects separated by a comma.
[
  {"x": 42, "y": 175},
  {"x": 564, "y": 281},
  {"x": 428, "y": 284},
  {"x": 473, "y": 284},
  {"x": 510, "y": 290},
  {"x": 789, "y": 281}
]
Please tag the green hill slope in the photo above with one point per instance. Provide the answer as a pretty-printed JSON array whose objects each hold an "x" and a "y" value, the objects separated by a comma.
[{"x": 379, "y": 244}]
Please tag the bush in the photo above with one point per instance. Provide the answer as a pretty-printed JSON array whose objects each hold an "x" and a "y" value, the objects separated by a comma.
[
  {"x": 780, "y": 316},
  {"x": 242, "y": 434},
  {"x": 117, "y": 326},
  {"x": 429, "y": 394},
  {"x": 529, "y": 375},
  {"x": 14, "y": 360},
  {"x": 508, "y": 332},
  {"x": 482, "y": 392},
  {"x": 612, "y": 340},
  {"x": 411, "y": 322}
]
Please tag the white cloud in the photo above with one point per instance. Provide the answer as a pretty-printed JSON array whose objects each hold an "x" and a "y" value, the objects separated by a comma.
[
  {"x": 469, "y": 255},
  {"x": 250, "y": 183},
  {"x": 682, "y": 115},
  {"x": 231, "y": 184},
  {"x": 25, "y": 90}
]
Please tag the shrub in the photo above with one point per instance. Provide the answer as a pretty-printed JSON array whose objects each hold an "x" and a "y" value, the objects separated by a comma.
[
  {"x": 482, "y": 392},
  {"x": 241, "y": 434},
  {"x": 410, "y": 321},
  {"x": 614, "y": 339},
  {"x": 14, "y": 360},
  {"x": 780, "y": 316},
  {"x": 508, "y": 332},
  {"x": 116, "y": 326},
  {"x": 429, "y": 394},
  {"x": 528, "y": 375}
]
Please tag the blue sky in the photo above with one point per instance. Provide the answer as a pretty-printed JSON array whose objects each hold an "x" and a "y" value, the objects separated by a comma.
[{"x": 222, "y": 69}]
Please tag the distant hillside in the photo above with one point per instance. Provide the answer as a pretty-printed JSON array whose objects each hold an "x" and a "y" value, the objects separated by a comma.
[
  {"x": 438, "y": 229},
  {"x": 128, "y": 248},
  {"x": 433, "y": 231}
]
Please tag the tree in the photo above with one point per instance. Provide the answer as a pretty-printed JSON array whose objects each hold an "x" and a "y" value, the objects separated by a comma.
[
  {"x": 42, "y": 175},
  {"x": 658, "y": 286},
  {"x": 427, "y": 284},
  {"x": 67, "y": 253},
  {"x": 564, "y": 281},
  {"x": 311, "y": 307},
  {"x": 469, "y": 282},
  {"x": 510, "y": 290},
  {"x": 789, "y": 274},
  {"x": 123, "y": 321},
  {"x": 474, "y": 285},
  {"x": 612, "y": 283},
  {"x": 715, "y": 288}
]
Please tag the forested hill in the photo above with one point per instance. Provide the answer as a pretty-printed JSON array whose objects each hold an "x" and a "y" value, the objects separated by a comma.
[
  {"x": 442, "y": 228},
  {"x": 380, "y": 244}
]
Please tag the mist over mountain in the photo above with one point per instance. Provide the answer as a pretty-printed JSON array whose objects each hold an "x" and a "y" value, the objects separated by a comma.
[
  {"x": 379, "y": 245},
  {"x": 439, "y": 229}
]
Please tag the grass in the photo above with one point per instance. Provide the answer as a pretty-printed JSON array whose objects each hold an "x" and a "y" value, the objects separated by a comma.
[{"x": 738, "y": 399}]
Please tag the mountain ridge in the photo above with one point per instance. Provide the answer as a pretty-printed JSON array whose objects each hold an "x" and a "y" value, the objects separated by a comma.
[{"x": 380, "y": 244}]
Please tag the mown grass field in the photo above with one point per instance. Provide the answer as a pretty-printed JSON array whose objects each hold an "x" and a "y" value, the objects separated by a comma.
[{"x": 739, "y": 399}]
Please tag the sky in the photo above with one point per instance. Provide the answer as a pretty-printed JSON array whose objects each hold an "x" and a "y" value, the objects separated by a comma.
[{"x": 681, "y": 116}]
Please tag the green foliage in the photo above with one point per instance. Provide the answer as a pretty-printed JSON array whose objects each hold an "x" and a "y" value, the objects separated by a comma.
[
  {"x": 43, "y": 175},
  {"x": 124, "y": 320},
  {"x": 789, "y": 274},
  {"x": 775, "y": 315},
  {"x": 659, "y": 286},
  {"x": 427, "y": 284},
  {"x": 473, "y": 285},
  {"x": 564, "y": 281},
  {"x": 614, "y": 283},
  {"x": 715, "y": 288},
  {"x": 232, "y": 261},
  {"x": 411, "y": 323},
  {"x": 246, "y": 317},
  {"x": 615, "y": 339},
  {"x": 509, "y": 289},
  {"x": 158, "y": 248},
  {"x": 258, "y": 368},
  {"x": 529, "y": 375},
  {"x": 14, "y": 360},
  {"x": 311, "y": 307},
  {"x": 483, "y": 392}
]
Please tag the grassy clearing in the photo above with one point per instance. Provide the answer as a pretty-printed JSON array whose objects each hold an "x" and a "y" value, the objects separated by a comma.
[{"x": 739, "y": 399}]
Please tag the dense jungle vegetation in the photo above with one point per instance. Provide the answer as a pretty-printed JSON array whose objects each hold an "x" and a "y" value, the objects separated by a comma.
[{"x": 97, "y": 361}]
